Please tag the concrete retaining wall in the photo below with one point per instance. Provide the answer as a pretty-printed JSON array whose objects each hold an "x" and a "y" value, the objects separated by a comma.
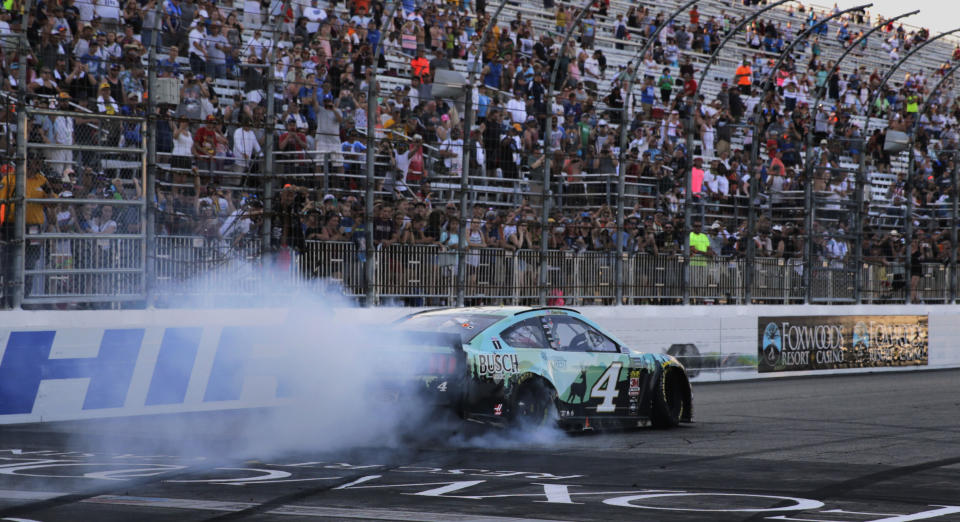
[{"x": 92, "y": 364}]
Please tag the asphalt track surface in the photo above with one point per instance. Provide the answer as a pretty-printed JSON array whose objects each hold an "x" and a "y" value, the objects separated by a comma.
[{"x": 842, "y": 448}]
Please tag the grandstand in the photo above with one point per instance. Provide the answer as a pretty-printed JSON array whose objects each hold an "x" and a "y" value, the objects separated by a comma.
[{"x": 240, "y": 141}]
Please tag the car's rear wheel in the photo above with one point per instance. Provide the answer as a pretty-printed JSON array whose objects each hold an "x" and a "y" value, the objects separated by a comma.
[
  {"x": 536, "y": 406},
  {"x": 669, "y": 401}
]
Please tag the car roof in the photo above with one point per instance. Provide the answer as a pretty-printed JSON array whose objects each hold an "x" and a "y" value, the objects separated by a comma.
[{"x": 502, "y": 311}]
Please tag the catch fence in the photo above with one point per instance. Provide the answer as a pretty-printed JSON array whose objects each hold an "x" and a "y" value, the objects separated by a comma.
[{"x": 201, "y": 272}]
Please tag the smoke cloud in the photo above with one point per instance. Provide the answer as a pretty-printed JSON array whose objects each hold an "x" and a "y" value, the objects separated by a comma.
[{"x": 341, "y": 372}]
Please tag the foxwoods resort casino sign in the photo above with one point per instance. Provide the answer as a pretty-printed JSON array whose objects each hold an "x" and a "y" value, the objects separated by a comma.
[{"x": 844, "y": 341}]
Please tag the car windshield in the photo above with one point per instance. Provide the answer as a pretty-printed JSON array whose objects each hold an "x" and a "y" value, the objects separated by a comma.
[{"x": 467, "y": 325}]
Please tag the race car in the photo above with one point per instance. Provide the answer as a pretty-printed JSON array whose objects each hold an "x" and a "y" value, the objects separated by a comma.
[{"x": 541, "y": 366}]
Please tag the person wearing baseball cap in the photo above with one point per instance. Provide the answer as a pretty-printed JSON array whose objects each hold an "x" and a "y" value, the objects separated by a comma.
[{"x": 105, "y": 102}]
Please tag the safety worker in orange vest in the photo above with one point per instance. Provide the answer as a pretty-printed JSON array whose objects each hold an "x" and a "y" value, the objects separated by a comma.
[
  {"x": 420, "y": 65},
  {"x": 744, "y": 77}
]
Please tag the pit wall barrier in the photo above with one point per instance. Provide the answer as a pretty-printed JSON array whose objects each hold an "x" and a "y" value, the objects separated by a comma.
[{"x": 57, "y": 366}]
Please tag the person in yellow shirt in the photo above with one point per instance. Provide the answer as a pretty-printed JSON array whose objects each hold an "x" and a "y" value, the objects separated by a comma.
[
  {"x": 37, "y": 187},
  {"x": 699, "y": 251},
  {"x": 699, "y": 246}
]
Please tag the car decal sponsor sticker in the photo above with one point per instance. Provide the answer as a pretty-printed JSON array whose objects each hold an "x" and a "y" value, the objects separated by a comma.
[{"x": 497, "y": 363}]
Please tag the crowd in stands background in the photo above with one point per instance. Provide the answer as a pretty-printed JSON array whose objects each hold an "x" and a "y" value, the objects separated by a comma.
[{"x": 91, "y": 57}]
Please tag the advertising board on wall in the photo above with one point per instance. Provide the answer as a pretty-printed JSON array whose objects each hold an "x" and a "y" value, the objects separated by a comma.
[{"x": 829, "y": 342}]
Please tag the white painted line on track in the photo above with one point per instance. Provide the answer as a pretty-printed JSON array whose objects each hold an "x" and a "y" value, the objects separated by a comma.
[{"x": 292, "y": 510}]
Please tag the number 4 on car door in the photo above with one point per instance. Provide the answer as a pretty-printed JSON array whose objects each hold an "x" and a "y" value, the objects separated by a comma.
[{"x": 606, "y": 388}]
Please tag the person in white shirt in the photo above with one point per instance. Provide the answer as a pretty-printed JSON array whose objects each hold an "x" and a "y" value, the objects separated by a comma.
[
  {"x": 258, "y": 46},
  {"x": 361, "y": 19},
  {"x": 197, "y": 50},
  {"x": 836, "y": 251},
  {"x": 329, "y": 119},
  {"x": 451, "y": 151},
  {"x": 217, "y": 48},
  {"x": 61, "y": 134},
  {"x": 517, "y": 108},
  {"x": 591, "y": 71},
  {"x": 245, "y": 145},
  {"x": 239, "y": 222},
  {"x": 314, "y": 16},
  {"x": 708, "y": 134},
  {"x": 82, "y": 44}
]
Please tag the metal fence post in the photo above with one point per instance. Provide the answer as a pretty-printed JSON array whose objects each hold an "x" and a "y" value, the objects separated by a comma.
[
  {"x": 149, "y": 208},
  {"x": 469, "y": 115},
  {"x": 326, "y": 172},
  {"x": 266, "y": 234},
  {"x": 859, "y": 186},
  {"x": 373, "y": 91},
  {"x": 19, "y": 279},
  {"x": 953, "y": 225}
]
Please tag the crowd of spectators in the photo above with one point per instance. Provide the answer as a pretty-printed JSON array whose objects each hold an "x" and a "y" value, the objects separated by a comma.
[{"x": 91, "y": 58}]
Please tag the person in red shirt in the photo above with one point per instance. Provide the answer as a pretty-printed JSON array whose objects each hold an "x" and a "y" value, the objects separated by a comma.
[
  {"x": 293, "y": 142},
  {"x": 689, "y": 86},
  {"x": 206, "y": 140},
  {"x": 415, "y": 169},
  {"x": 776, "y": 164}
]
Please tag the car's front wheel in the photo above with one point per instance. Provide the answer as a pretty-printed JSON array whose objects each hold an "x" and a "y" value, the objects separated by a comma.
[{"x": 536, "y": 406}]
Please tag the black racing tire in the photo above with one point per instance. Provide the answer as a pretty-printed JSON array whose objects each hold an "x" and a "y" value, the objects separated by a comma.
[
  {"x": 669, "y": 401},
  {"x": 535, "y": 406}
]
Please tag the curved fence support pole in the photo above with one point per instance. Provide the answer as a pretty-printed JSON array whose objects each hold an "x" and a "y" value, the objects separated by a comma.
[
  {"x": 862, "y": 168},
  {"x": 912, "y": 178},
  {"x": 691, "y": 130},
  {"x": 859, "y": 182},
  {"x": 469, "y": 148},
  {"x": 373, "y": 91},
  {"x": 624, "y": 126},
  {"x": 755, "y": 153},
  {"x": 547, "y": 151}
]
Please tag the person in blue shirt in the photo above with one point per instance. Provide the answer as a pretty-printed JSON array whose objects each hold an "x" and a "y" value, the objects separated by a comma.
[
  {"x": 483, "y": 103},
  {"x": 95, "y": 66},
  {"x": 168, "y": 67},
  {"x": 171, "y": 20},
  {"x": 492, "y": 72},
  {"x": 373, "y": 35},
  {"x": 648, "y": 94}
]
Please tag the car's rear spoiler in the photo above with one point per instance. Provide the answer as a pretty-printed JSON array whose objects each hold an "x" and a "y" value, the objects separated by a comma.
[{"x": 417, "y": 338}]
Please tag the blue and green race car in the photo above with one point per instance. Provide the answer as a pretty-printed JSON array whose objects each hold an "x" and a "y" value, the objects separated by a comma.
[{"x": 542, "y": 366}]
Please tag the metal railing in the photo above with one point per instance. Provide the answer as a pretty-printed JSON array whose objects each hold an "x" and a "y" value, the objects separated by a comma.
[{"x": 201, "y": 272}]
